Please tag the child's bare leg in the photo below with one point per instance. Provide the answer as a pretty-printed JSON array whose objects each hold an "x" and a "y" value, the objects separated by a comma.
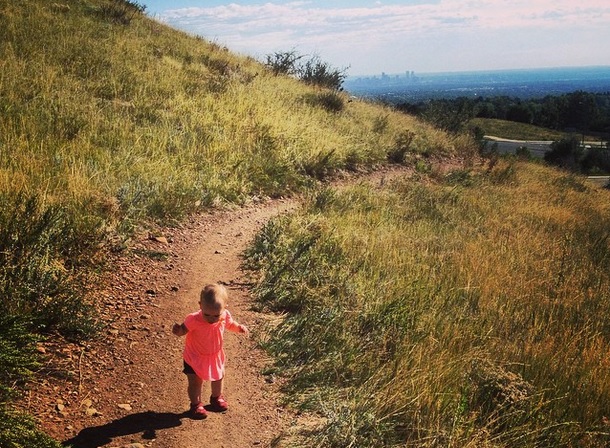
[
  {"x": 217, "y": 402},
  {"x": 217, "y": 388},
  {"x": 194, "y": 388}
]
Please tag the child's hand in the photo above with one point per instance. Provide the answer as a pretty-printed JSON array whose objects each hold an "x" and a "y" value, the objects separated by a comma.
[
  {"x": 178, "y": 330},
  {"x": 244, "y": 330}
]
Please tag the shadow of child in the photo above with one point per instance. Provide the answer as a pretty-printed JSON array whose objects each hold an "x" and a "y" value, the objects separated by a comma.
[{"x": 146, "y": 423}]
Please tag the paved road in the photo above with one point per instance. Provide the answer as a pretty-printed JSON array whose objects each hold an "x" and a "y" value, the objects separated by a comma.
[
  {"x": 536, "y": 149},
  {"x": 601, "y": 181},
  {"x": 506, "y": 146}
]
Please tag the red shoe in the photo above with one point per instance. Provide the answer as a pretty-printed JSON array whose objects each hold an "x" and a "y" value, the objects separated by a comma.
[
  {"x": 198, "y": 412},
  {"x": 218, "y": 404}
]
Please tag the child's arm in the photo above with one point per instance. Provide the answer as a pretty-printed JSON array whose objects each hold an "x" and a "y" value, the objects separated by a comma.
[
  {"x": 234, "y": 326},
  {"x": 238, "y": 328},
  {"x": 180, "y": 329}
]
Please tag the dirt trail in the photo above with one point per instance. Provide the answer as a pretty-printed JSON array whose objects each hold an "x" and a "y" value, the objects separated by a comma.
[{"x": 127, "y": 389}]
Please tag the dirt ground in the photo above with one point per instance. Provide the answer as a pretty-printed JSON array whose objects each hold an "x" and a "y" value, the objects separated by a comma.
[{"x": 126, "y": 388}]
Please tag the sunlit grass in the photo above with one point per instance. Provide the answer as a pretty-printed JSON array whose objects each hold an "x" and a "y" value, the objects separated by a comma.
[
  {"x": 109, "y": 119},
  {"x": 163, "y": 122},
  {"x": 467, "y": 312}
]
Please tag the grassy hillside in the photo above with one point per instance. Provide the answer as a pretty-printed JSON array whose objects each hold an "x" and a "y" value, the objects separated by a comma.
[
  {"x": 109, "y": 119},
  {"x": 140, "y": 120},
  {"x": 470, "y": 311}
]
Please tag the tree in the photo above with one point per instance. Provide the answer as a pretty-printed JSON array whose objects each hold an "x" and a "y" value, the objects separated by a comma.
[{"x": 566, "y": 153}]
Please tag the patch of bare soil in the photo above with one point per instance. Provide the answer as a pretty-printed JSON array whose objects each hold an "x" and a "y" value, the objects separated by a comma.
[{"x": 126, "y": 388}]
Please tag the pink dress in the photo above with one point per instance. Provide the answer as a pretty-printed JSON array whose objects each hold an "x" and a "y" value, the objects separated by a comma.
[{"x": 203, "y": 349}]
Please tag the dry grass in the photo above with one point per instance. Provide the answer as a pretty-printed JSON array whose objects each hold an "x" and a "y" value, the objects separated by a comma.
[{"x": 464, "y": 312}]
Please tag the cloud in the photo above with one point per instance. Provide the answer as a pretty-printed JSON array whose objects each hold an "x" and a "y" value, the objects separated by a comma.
[
  {"x": 267, "y": 27},
  {"x": 303, "y": 18}
]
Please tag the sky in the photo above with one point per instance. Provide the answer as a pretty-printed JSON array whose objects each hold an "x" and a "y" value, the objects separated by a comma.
[{"x": 368, "y": 37}]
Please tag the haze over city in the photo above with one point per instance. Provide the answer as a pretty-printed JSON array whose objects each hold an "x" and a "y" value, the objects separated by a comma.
[{"x": 370, "y": 37}]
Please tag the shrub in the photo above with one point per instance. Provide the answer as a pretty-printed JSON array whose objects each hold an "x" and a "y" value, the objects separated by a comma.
[
  {"x": 402, "y": 144},
  {"x": 41, "y": 249},
  {"x": 19, "y": 431},
  {"x": 565, "y": 153},
  {"x": 313, "y": 71},
  {"x": 121, "y": 11},
  {"x": 596, "y": 161},
  {"x": 17, "y": 355},
  {"x": 283, "y": 62},
  {"x": 329, "y": 101},
  {"x": 321, "y": 74}
]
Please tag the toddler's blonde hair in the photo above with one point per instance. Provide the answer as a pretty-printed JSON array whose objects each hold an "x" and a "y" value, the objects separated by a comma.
[{"x": 214, "y": 295}]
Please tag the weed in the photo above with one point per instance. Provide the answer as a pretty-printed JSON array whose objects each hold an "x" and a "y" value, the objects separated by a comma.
[
  {"x": 402, "y": 145},
  {"x": 20, "y": 431},
  {"x": 329, "y": 101},
  {"x": 121, "y": 11},
  {"x": 424, "y": 312},
  {"x": 380, "y": 124},
  {"x": 109, "y": 119},
  {"x": 39, "y": 255}
]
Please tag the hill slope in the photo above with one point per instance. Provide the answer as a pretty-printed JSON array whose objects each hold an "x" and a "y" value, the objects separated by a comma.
[{"x": 110, "y": 120}]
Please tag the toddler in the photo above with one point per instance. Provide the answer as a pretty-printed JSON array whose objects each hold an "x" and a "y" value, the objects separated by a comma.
[{"x": 204, "y": 356}]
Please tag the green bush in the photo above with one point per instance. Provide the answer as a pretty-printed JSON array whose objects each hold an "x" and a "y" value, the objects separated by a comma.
[
  {"x": 313, "y": 71},
  {"x": 121, "y": 11},
  {"x": 322, "y": 74},
  {"x": 565, "y": 153},
  {"x": 402, "y": 144},
  {"x": 19, "y": 431},
  {"x": 17, "y": 354},
  {"x": 329, "y": 101},
  {"x": 41, "y": 250}
]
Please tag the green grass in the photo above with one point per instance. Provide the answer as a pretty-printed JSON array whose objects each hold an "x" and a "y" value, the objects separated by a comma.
[
  {"x": 467, "y": 312},
  {"x": 142, "y": 121},
  {"x": 110, "y": 120}
]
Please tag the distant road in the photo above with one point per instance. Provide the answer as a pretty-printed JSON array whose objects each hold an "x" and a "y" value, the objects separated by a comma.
[{"x": 537, "y": 148}]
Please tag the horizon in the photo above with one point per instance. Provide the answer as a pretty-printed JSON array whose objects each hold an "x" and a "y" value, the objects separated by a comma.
[
  {"x": 426, "y": 36},
  {"x": 497, "y": 70}
]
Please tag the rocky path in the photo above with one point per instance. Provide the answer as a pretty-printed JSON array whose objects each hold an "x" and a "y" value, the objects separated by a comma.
[{"x": 126, "y": 388}]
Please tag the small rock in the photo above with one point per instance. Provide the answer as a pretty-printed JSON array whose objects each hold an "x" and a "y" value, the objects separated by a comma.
[
  {"x": 125, "y": 406},
  {"x": 91, "y": 412},
  {"x": 60, "y": 407},
  {"x": 160, "y": 239}
]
